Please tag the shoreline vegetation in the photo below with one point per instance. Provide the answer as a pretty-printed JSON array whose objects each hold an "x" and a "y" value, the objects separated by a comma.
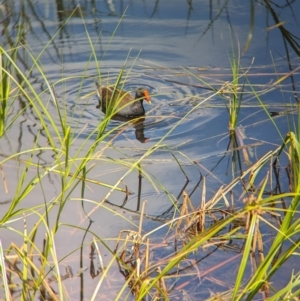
[{"x": 253, "y": 220}]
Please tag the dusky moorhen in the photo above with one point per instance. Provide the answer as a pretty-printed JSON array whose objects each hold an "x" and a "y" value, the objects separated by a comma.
[{"x": 127, "y": 105}]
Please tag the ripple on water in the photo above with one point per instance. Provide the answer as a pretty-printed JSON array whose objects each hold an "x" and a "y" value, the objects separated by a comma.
[{"x": 175, "y": 113}]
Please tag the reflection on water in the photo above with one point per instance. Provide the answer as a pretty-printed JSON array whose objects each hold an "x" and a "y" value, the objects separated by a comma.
[
  {"x": 137, "y": 124},
  {"x": 181, "y": 52}
]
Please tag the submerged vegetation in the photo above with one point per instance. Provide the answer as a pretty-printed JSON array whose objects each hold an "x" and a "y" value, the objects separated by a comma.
[{"x": 241, "y": 236}]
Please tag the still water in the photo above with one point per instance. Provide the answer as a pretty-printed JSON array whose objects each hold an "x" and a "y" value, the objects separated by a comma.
[{"x": 180, "y": 51}]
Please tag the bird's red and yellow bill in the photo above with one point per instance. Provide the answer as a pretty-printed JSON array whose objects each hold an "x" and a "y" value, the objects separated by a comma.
[{"x": 147, "y": 96}]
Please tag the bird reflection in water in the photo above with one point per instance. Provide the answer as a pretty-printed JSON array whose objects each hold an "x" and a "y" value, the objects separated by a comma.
[{"x": 137, "y": 123}]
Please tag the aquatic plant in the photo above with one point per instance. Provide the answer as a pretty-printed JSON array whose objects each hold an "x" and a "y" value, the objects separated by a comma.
[{"x": 5, "y": 90}]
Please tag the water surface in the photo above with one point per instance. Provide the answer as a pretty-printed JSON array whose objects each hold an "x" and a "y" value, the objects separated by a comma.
[{"x": 174, "y": 50}]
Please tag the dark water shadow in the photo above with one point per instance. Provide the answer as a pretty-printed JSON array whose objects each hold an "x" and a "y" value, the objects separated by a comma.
[{"x": 137, "y": 124}]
